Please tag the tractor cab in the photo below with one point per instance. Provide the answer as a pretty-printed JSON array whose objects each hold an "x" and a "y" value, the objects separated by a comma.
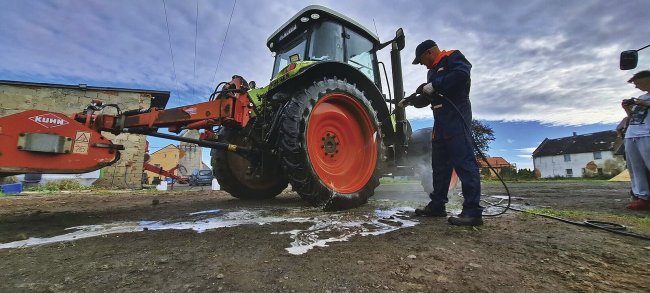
[{"x": 317, "y": 34}]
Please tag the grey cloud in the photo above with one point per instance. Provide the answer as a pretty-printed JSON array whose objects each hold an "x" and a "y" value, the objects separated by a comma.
[{"x": 549, "y": 61}]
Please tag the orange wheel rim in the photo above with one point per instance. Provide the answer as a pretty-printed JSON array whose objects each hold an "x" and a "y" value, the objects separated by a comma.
[{"x": 341, "y": 143}]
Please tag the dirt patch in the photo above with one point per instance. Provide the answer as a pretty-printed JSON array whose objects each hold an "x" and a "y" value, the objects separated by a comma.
[{"x": 514, "y": 252}]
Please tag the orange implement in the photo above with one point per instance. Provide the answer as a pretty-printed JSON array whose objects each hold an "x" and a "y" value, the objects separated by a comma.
[{"x": 38, "y": 141}]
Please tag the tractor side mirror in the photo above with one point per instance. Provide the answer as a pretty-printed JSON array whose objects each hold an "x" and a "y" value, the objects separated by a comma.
[
  {"x": 400, "y": 39},
  {"x": 629, "y": 59}
]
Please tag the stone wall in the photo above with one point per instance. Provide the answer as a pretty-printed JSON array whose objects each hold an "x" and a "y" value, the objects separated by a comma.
[{"x": 127, "y": 172}]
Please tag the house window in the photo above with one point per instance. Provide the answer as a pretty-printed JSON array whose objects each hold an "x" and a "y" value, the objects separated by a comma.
[
  {"x": 598, "y": 156},
  {"x": 567, "y": 158},
  {"x": 569, "y": 173}
]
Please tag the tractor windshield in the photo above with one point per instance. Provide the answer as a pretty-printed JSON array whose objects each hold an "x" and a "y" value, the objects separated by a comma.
[
  {"x": 326, "y": 42},
  {"x": 282, "y": 59}
]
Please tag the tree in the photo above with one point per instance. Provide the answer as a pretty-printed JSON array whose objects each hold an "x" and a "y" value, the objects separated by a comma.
[
  {"x": 483, "y": 135},
  {"x": 508, "y": 173},
  {"x": 526, "y": 174}
]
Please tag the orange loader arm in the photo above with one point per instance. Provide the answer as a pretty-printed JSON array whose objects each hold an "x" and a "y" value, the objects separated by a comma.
[{"x": 38, "y": 141}]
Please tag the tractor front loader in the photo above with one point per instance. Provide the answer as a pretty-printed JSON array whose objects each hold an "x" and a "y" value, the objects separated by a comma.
[{"x": 322, "y": 124}]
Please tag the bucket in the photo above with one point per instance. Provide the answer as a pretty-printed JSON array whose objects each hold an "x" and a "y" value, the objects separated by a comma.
[
  {"x": 13, "y": 188},
  {"x": 162, "y": 186},
  {"x": 215, "y": 184}
]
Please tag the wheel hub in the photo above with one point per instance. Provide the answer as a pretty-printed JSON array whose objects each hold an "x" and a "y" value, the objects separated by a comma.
[{"x": 330, "y": 144}]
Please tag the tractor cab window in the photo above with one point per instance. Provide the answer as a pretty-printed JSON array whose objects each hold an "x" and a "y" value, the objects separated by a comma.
[
  {"x": 360, "y": 55},
  {"x": 326, "y": 42},
  {"x": 282, "y": 58}
]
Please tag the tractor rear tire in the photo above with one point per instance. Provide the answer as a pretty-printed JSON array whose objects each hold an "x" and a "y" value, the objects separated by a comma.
[
  {"x": 330, "y": 145},
  {"x": 231, "y": 171}
]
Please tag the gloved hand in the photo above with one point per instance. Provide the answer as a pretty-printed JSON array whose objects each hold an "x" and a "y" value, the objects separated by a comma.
[
  {"x": 426, "y": 89},
  {"x": 420, "y": 88},
  {"x": 406, "y": 101}
]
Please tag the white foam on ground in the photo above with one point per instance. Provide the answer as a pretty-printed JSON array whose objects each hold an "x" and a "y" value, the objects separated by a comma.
[
  {"x": 337, "y": 226},
  {"x": 343, "y": 228}
]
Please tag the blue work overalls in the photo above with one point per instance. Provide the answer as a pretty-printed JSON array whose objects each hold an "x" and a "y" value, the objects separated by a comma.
[{"x": 452, "y": 146}]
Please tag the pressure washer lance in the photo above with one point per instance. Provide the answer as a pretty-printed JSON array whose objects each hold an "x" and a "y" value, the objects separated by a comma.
[{"x": 607, "y": 226}]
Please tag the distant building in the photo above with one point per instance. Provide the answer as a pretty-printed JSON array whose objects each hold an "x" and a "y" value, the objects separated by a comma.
[
  {"x": 166, "y": 158},
  {"x": 497, "y": 163},
  {"x": 185, "y": 157},
  {"x": 579, "y": 156}
]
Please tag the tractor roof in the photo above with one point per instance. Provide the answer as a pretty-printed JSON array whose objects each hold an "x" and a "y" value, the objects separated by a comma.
[{"x": 294, "y": 23}]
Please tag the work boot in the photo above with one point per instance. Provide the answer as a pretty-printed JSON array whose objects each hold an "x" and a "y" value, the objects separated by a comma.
[
  {"x": 427, "y": 211},
  {"x": 639, "y": 204},
  {"x": 464, "y": 220}
]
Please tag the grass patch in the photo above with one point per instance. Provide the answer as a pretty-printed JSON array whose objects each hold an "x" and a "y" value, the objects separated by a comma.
[
  {"x": 58, "y": 185},
  {"x": 635, "y": 223}
]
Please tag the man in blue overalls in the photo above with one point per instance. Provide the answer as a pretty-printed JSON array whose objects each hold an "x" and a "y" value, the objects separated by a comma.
[{"x": 447, "y": 91}]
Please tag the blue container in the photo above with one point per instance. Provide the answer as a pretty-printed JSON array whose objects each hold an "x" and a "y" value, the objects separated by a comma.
[{"x": 12, "y": 188}]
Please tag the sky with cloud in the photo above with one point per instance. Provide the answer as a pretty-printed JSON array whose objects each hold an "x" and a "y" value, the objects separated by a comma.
[{"x": 540, "y": 68}]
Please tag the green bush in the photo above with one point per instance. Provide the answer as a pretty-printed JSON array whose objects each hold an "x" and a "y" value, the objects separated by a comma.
[
  {"x": 58, "y": 185},
  {"x": 508, "y": 173}
]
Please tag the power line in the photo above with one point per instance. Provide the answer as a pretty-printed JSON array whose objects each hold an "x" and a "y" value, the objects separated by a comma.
[
  {"x": 224, "y": 41},
  {"x": 169, "y": 37},
  {"x": 196, "y": 33}
]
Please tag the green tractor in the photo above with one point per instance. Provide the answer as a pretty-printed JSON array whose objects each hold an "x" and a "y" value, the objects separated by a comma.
[{"x": 322, "y": 124}]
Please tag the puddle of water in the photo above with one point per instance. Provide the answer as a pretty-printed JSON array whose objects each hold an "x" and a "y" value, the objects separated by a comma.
[
  {"x": 205, "y": 212},
  {"x": 326, "y": 227}
]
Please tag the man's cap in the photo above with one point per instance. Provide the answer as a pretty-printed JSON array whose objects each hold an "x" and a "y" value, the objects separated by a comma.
[
  {"x": 640, "y": 75},
  {"x": 423, "y": 47}
]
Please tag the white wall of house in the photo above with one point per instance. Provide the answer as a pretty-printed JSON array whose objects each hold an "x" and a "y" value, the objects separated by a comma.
[{"x": 554, "y": 166}]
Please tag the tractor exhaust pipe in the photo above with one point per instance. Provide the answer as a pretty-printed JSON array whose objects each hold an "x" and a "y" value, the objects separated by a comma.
[{"x": 401, "y": 144}]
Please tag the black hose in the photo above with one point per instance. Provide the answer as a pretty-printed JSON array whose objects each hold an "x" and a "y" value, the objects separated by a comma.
[
  {"x": 607, "y": 226},
  {"x": 468, "y": 131}
]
